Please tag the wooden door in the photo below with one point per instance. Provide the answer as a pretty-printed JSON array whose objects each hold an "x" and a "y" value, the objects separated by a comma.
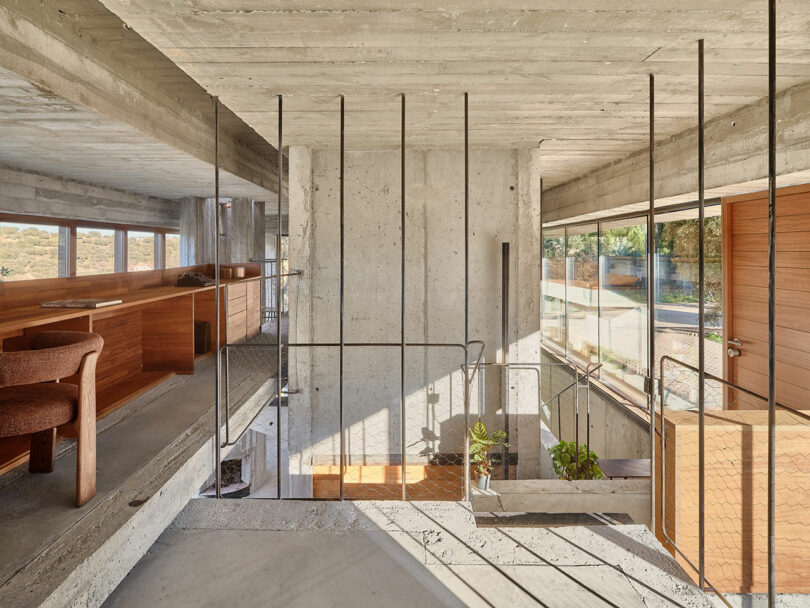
[{"x": 745, "y": 274}]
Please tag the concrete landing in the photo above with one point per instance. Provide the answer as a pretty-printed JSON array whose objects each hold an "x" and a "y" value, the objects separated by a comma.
[{"x": 392, "y": 554}]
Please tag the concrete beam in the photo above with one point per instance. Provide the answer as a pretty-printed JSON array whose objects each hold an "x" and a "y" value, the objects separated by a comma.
[
  {"x": 736, "y": 162},
  {"x": 63, "y": 53},
  {"x": 36, "y": 194}
]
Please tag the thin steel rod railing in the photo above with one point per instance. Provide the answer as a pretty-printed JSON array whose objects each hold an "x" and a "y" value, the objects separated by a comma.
[
  {"x": 278, "y": 300},
  {"x": 217, "y": 294},
  {"x": 651, "y": 302},
  {"x": 701, "y": 325},
  {"x": 467, "y": 290},
  {"x": 342, "y": 260},
  {"x": 402, "y": 438},
  {"x": 771, "y": 303}
]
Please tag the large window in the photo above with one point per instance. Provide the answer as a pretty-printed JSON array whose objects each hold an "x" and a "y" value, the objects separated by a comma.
[
  {"x": 582, "y": 291},
  {"x": 594, "y": 305},
  {"x": 140, "y": 251},
  {"x": 95, "y": 251},
  {"x": 677, "y": 251},
  {"x": 34, "y": 247},
  {"x": 28, "y": 251},
  {"x": 623, "y": 303},
  {"x": 553, "y": 287},
  {"x": 172, "y": 244}
]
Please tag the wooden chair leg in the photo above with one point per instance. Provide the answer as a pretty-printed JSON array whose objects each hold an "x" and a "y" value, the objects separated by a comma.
[
  {"x": 43, "y": 445},
  {"x": 86, "y": 432},
  {"x": 86, "y": 463}
]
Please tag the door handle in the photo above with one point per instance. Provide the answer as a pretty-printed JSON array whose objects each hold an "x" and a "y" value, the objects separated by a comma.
[
  {"x": 734, "y": 342},
  {"x": 734, "y": 352}
]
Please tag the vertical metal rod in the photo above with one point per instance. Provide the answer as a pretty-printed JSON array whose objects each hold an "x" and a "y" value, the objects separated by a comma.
[
  {"x": 771, "y": 303},
  {"x": 651, "y": 305},
  {"x": 505, "y": 351},
  {"x": 588, "y": 422},
  {"x": 466, "y": 219},
  {"x": 278, "y": 300},
  {"x": 559, "y": 419},
  {"x": 402, "y": 302},
  {"x": 342, "y": 342},
  {"x": 701, "y": 329},
  {"x": 576, "y": 415},
  {"x": 467, "y": 472},
  {"x": 217, "y": 294},
  {"x": 565, "y": 291}
]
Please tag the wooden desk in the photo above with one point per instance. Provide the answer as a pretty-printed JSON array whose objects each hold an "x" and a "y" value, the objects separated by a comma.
[
  {"x": 147, "y": 338},
  {"x": 625, "y": 468}
]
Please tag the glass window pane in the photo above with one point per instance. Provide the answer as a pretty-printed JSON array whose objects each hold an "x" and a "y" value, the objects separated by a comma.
[
  {"x": 172, "y": 250},
  {"x": 623, "y": 305},
  {"x": 676, "y": 312},
  {"x": 583, "y": 292},
  {"x": 140, "y": 251},
  {"x": 95, "y": 251},
  {"x": 553, "y": 287},
  {"x": 28, "y": 251}
]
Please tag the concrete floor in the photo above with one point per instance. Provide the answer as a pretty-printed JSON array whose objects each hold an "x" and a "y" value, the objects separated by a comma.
[{"x": 374, "y": 553}]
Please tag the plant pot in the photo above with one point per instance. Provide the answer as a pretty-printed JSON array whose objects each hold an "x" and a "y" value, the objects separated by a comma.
[{"x": 483, "y": 482}]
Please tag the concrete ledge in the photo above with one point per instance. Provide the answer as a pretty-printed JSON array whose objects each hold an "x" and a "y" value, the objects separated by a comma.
[
  {"x": 85, "y": 563},
  {"x": 631, "y": 496}
]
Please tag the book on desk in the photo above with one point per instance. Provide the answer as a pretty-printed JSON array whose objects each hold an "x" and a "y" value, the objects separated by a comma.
[{"x": 82, "y": 303}]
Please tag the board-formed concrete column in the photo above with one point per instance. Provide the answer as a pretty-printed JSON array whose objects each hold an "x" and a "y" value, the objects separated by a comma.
[
  {"x": 196, "y": 231},
  {"x": 504, "y": 206},
  {"x": 301, "y": 218}
]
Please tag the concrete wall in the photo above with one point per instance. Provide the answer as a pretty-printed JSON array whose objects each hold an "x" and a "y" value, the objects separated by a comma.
[
  {"x": 32, "y": 193},
  {"x": 615, "y": 431},
  {"x": 241, "y": 224},
  {"x": 504, "y": 206}
]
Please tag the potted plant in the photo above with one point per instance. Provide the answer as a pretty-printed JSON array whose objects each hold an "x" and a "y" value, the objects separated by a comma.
[
  {"x": 571, "y": 463},
  {"x": 482, "y": 443}
]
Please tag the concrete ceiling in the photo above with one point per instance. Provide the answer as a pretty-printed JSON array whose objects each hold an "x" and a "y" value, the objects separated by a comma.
[
  {"x": 45, "y": 133},
  {"x": 572, "y": 74}
]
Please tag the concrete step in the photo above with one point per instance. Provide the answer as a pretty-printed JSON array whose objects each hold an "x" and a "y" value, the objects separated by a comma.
[{"x": 630, "y": 496}]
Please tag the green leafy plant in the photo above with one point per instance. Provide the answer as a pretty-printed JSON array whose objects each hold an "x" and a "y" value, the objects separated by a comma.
[
  {"x": 482, "y": 443},
  {"x": 572, "y": 464}
]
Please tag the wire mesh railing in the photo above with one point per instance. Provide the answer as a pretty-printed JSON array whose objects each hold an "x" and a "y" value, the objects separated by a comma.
[{"x": 729, "y": 547}]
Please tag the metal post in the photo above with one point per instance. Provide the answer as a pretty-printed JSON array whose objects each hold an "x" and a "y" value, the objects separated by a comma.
[
  {"x": 651, "y": 307},
  {"x": 771, "y": 303},
  {"x": 217, "y": 294},
  {"x": 505, "y": 351},
  {"x": 466, "y": 489},
  {"x": 342, "y": 342},
  {"x": 701, "y": 345},
  {"x": 402, "y": 303},
  {"x": 278, "y": 303}
]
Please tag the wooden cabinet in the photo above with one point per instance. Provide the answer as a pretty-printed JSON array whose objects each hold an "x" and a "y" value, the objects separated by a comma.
[{"x": 242, "y": 310}]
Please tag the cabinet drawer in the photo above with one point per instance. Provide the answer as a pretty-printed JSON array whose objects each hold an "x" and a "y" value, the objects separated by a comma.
[{"x": 236, "y": 291}]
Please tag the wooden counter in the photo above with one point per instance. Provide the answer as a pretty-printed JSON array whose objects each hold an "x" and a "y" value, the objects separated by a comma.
[
  {"x": 147, "y": 338},
  {"x": 736, "y": 476}
]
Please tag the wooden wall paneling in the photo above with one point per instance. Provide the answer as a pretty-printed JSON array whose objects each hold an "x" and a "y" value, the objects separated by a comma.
[
  {"x": 121, "y": 358},
  {"x": 167, "y": 338}
]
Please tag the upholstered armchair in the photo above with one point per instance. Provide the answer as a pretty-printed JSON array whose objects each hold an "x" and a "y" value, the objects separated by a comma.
[{"x": 33, "y": 401}]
